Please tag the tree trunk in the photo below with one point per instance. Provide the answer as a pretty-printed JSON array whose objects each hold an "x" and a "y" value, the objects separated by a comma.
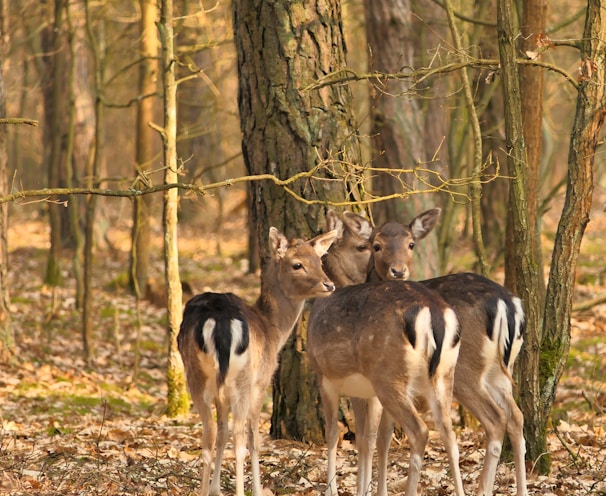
[
  {"x": 589, "y": 117},
  {"x": 81, "y": 131},
  {"x": 141, "y": 246},
  {"x": 97, "y": 42},
  {"x": 177, "y": 399},
  {"x": 531, "y": 85},
  {"x": 283, "y": 47},
  {"x": 526, "y": 283},
  {"x": 54, "y": 103},
  {"x": 397, "y": 123},
  {"x": 7, "y": 336}
]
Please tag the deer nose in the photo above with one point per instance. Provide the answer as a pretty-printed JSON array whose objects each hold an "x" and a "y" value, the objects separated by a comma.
[
  {"x": 329, "y": 286},
  {"x": 398, "y": 272}
]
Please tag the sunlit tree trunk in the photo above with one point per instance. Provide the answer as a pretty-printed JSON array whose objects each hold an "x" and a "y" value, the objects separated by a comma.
[
  {"x": 145, "y": 149},
  {"x": 531, "y": 100},
  {"x": 288, "y": 129},
  {"x": 526, "y": 281},
  {"x": 177, "y": 399},
  {"x": 7, "y": 337},
  {"x": 585, "y": 138},
  {"x": 81, "y": 131}
]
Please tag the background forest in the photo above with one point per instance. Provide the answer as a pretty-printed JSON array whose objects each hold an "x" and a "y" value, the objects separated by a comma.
[{"x": 386, "y": 107}]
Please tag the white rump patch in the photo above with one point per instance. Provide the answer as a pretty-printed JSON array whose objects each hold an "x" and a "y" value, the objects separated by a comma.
[
  {"x": 207, "y": 334},
  {"x": 450, "y": 351},
  {"x": 237, "y": 362},
  {"x": 424, "y": 331}
]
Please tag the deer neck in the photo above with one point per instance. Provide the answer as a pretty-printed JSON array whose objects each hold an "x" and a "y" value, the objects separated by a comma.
[{"x": 280, "y": 311}]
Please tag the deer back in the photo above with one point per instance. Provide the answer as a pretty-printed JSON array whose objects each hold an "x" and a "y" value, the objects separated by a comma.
[
  {"x": 486, "y": 310},
  {"x": 364, "y": 335}
]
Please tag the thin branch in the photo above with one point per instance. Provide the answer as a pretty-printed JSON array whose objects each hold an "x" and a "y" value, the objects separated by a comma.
[
  {"x": 19, "y": 120},
  {"x": 335, "y": 170},
  {"x": 345, "y": 76}
]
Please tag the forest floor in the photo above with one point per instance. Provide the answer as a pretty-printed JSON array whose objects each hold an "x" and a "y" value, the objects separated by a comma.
[{"x": 70, "y": 429}]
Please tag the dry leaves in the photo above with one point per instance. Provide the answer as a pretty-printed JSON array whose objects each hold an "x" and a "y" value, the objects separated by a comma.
[{"x": 69, "y": 430}]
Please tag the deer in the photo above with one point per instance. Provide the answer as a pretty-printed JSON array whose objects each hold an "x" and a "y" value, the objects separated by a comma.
[
  {"x": 393, "y": 342},
  {"x": 492, "y": 327},
  {"x": 230, "y": 350}
]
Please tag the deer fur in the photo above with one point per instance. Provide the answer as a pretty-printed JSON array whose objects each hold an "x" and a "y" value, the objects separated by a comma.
[
  {"x": 392, "y": 341},
  {"x": 492, "y": 325},
  {"x": 230, "y": 350}
]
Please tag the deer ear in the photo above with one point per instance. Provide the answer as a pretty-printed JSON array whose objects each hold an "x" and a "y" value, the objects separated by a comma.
[
  {"x": 422, "y": 224},
  {"x": 357, "y": 224},
  {"x": 278, "y": 243},
  {"x": 334, "y": 223},
  {"x": 322, "y": 242}
]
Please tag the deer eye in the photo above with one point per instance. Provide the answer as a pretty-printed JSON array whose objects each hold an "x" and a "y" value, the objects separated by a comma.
[
  {"x": 411, "y": 246},
  {"x": 297, "y": 266},
  {"x": 377, "y": 247},
  {"x": 362, "y": 248}
]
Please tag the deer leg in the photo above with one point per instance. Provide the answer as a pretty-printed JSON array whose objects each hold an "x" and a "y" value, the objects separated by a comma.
[
  {"x": 359, "y": 407},
  {"x": 239, "y": 428},
  {"x": 221, "y": 439},
  {"x": 209, "y": 435},
  {"x": 367, "y": 413},
  {"x": 253, "y": 440},
  {"x": 440, "y": 401},
  {"x": 493, "y": 419},
  {"x": 383, "y": 441},
  {"x": 330, "y": 402},
  {"x": 404, "y": 413},
  {"x": 515, "y": 429}
]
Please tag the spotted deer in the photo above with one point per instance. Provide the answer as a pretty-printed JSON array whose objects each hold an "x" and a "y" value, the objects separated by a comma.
[
  {"x": 230, "y": 350},
  {"x": 492, "y": 326},
  {"x": 392, "y": 341}
]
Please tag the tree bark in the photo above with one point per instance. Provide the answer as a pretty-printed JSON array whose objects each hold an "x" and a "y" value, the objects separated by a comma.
[
  {"x": 177, "y": 399},
  {"x": 589, "y": 118},
  {"x": 52, "y": 43},
  {"x": 526, "y": 283},
  {"x": 7, "y": 336},
  {"x": 93, "y": 166},
  {"x": 397, "y": 122},
  {"x": 141, "y": 233},
  {"x": 283, "y": 47}
]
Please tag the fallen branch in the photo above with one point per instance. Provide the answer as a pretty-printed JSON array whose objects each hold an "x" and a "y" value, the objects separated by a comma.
[{"x": 586, "y": 305}]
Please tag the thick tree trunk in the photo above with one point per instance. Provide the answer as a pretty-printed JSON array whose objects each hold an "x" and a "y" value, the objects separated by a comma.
[
  {"x": 177, "y": 399},
  {"x": 589, "y": 117},
  {"x": 283, "y": 47},
  {"x": 526, "y": 282},
  {"x": 397, "y": 123}
]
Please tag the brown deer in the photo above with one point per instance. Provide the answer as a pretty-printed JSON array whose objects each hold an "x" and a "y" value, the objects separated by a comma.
[
  {"x": 492, "y": 325},
  {"x": 230, "y": 350},
  {"x": 395, "y": 341}
]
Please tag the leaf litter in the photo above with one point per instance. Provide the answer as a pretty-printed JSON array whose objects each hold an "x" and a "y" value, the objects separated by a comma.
[{"x": 67, "y": 429}]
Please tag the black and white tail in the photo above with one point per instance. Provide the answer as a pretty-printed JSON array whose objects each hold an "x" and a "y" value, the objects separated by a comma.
[{"x": 220, "y": 330}]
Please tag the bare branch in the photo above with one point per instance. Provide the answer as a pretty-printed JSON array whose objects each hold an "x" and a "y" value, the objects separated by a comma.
[
  {"x": 333, "y": 171},
  {"x": 19, "y": 120}
]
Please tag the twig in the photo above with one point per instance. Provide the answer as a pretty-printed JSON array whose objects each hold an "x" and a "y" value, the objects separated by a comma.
[
  {"x": 586, "y": 305},
  {"x": 573, "y": 456}
]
